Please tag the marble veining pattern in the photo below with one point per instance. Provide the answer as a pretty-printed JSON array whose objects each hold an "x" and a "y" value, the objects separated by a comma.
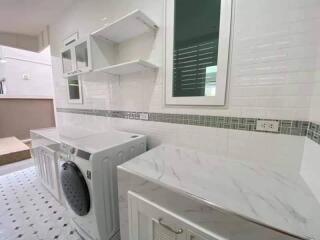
[
  {"x": 29, "y": 212},
  {"x": 252, "y": 191}
]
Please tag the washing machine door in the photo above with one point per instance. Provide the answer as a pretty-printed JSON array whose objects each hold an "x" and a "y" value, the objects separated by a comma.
[{"x": 75, "y": 188}]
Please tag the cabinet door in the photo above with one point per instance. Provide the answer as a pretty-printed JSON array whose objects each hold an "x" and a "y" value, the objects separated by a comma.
[
  {"x": 47, "y": 163},
  {"x": 67, "y": 58},
  {"x": 82, "y": 56},
  {"x": 149, "y": 221}
]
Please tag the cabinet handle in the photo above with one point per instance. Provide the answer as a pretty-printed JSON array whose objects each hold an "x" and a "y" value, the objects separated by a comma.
[{"x": 178, "y": 231}]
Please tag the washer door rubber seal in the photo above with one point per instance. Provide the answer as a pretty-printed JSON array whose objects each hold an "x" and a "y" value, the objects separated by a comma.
[{"x": 75, "y": 188}]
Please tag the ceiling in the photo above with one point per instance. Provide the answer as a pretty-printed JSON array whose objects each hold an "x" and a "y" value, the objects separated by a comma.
[{"x": 30, "y": 17}]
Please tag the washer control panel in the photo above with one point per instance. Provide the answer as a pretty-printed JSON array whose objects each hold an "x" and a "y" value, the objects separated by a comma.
[
  {"x": 70, "y": 151},
  {"x": 65, "y": 148}
]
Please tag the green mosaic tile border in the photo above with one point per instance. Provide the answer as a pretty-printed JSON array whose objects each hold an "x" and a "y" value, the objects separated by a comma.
[
  {"x": 287, "y": 127},
  {"x": 314, "y": 132}
]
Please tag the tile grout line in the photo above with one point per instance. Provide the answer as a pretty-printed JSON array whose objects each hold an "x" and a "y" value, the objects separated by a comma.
[{"x": 286, "y": 127}]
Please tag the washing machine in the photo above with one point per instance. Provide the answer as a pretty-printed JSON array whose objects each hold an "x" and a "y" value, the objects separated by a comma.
[{"x": 88, "y": 178}]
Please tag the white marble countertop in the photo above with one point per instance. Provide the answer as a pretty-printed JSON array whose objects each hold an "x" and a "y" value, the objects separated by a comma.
[
  {"x": 251, "y": 191},
  {"x": 49, "y": 133},
  {"x": 65, "y": 134}
]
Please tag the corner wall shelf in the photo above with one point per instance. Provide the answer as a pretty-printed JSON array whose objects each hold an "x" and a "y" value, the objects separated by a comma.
[
  {"x": 128, "y": 67},
  {"x": 127, "y": 27}
]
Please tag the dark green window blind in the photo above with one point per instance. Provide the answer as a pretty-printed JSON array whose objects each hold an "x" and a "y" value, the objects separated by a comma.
[{"x": 196, "y": 39}]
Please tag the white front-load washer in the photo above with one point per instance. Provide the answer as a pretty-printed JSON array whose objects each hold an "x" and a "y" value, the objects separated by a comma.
[{"x": 89, "y": 180}]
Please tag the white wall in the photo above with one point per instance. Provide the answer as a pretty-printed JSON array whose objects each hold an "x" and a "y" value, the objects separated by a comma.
[
  {"x": 273, "y": 60},
  {"x": 310, "y": 167},
  {"x": 272, "y": 75},
  {"x": 36, "y": 65},
  {"x": 315, "y": 103}
]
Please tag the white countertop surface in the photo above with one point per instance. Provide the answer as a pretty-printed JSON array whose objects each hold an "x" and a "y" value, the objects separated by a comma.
[
  {"x": 49, "y": 133},
  {"x": 261, "y": 195},
  {"x": 66, "y": 134}
]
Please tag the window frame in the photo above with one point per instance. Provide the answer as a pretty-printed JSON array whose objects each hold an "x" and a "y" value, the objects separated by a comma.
[
  {"x": 75, "y": 101},
  {"x": 223, "y": 58}
]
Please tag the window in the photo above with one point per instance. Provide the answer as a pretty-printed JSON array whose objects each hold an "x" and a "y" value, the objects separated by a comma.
[
  {"x": 74, "y": 89},
  {"x": 197, "y": 48}
]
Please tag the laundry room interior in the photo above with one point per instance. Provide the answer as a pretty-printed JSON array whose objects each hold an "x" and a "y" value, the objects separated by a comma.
[{"x": 160, "y": 120}]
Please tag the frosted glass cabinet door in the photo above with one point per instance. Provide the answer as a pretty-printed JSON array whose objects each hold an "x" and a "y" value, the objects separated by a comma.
[
  {"x": 83, "y": 58},
  {"x": 67, "y": 61},
  {"x": 150, "y": 221}
]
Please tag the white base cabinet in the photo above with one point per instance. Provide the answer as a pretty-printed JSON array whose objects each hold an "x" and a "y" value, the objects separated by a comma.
[
  {"x": 149, "y": 221},
  {"x": 46, "y": 161}
]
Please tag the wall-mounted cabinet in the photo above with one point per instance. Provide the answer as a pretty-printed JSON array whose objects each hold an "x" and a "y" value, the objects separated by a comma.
[
  {"x": 101, "y": 51},
  {"x": 76, "y": 58},
  {"x": 83, "y": 56}
]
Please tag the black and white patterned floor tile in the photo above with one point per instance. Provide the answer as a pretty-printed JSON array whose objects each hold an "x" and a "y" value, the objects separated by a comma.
[{"x": 29, "y": 212}]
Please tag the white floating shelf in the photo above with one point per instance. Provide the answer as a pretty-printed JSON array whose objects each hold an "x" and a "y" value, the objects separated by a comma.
[
  {"x": 128, "y": 67},
  {"x": 129, "y": 26}
]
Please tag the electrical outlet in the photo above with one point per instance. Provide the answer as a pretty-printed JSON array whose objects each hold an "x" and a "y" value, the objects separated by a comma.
[
  {"x": 144, "y": 116},
  {"x": 26, "y": 76},
  {"x": 267, "y": 125}
]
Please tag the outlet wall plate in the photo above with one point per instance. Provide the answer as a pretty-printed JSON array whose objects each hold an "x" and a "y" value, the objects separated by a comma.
[
  {"x": 267, "y": 125},
  {"x": 26, "y": 76}
]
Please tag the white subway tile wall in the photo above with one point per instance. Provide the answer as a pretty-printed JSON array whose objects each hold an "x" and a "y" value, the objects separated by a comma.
[
  {"x": 273, "y": 151},
  {"x": 274, "y": 70},
  {"x": 315, "y": 101}
]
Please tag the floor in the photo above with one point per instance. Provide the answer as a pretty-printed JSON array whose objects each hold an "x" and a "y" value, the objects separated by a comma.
[
  {"x": 9, "y": 168},
  {"x": 27, "y": 210}
]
